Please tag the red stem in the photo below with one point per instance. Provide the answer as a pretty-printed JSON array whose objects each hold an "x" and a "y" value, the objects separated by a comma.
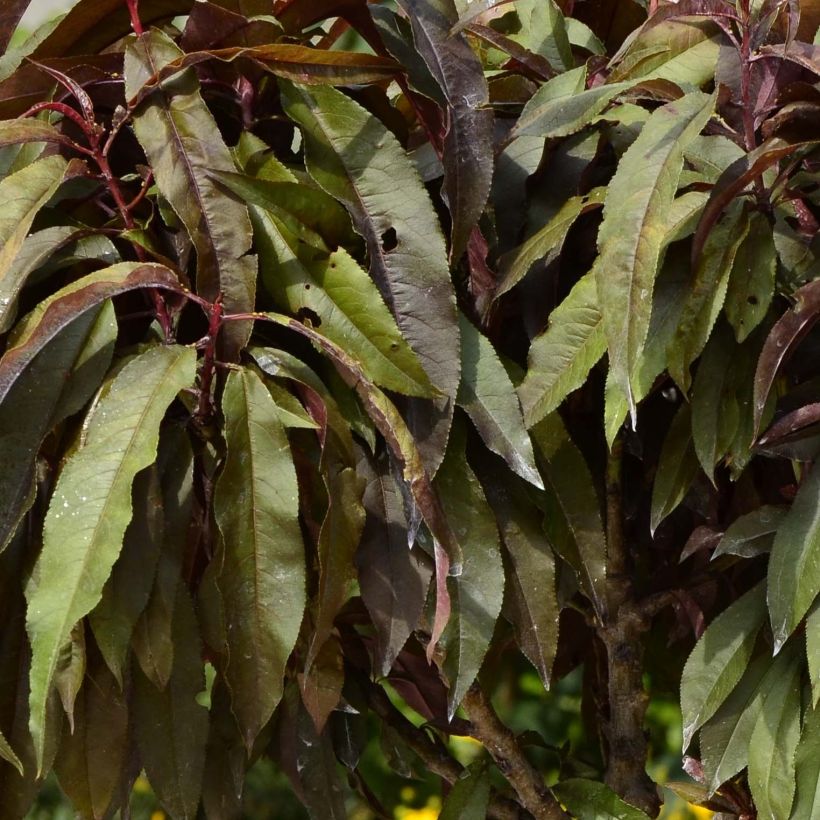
[
  {"x": 136, "y": 23},
  {"x": 205, "y": 408}
]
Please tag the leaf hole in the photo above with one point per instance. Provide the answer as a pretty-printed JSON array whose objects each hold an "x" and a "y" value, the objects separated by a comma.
[
  {"x": 752, "y": 300},
  {"x": 308, "y": 317},
  {"x": 389, "y": 240}
]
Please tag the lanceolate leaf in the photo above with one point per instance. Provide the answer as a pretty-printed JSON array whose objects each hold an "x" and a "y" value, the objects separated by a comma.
[
  {"x": 171, "y": 727},
  {"x": 772, "y": 747},
  {"x": 562, "y": 356},
  {"x": 262, "y": 580},
  {"x": 631, "y": 235},
  {"x": 392, "y": 577},
  {"x": 813, "y": 650},
  {"x": 91, "y": 507},
  {"x": 591, "y": 800},
  {"x": 807, "y": 768},
  {"x": 567, "y": 475},
  {"x": 350, "y": 309},
  {"x": 719, "y": 659},
  {"x": 15, "y": 132},
  {"x": 57, "y": 383},
  {"x": 468, "y": 154},
  {"x": 477, "y": 593},
  {"x": 487, "y": 395},
  {"x": 7, "y": 753},
  {"x": 182, "y": 143},
  {"x": 357, "y": 160},
  {"x": 469, "y": 797},
  {"x": 794, "y": 565},
  {"x": 24, "y": 194},
  {"x": 751, "y": 534},
  {"x": 55, "y": 313}
]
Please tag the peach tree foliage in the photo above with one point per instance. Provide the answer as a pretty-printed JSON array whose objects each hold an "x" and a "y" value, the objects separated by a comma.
[{"x": 327, "y": 368}]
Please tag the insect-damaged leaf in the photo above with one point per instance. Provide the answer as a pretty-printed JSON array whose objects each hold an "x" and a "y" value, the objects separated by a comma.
[
  {"x": 392, "y": 577},
  {"x": 171, "y": 727},
  {"x": 561, "y": 357},
  {"x": 356, "y": 159},
  {"x": 262, "y": 578},
  {"x": 631, "y": 235},
  {"x": 794, "y": 564},
  {"x": 773, "y": 744},
  {"x": 91, "y": 507},
  {"x": 478, "y": 592},
  {"x": 58, "y": 382},
  {"x": 92, "y": 757},
  {"x": 467, "y": 151},
  {"x": 719, "y": 660},
  {"x": 56, "y": 312},
  {"x": 487, "y": 395},
  {"x": 182, "y": 143}
]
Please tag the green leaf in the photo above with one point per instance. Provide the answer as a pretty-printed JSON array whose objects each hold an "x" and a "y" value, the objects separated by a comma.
[
  {"x": 16, "y": 132},
  {"x": 349, "y": 308},
  {"x": 392, "y": 577},
  {"x": 70, "y": 671},
  {"x": 705, "y": 299},
  {"x": 751, "y": 285},
  {"x": 531, "y": 601},
  {"x": 92, "y": 758},
  {"x": 469, "y": 797},
  {"x": 794, "y": 565},
  {"x": 354, "y": 157},
  {"x": 725, "y": 737},
  {"x": 91, "y": 507},
  {"x": 53, "y": 314},
  {"x": 468, "y": 142},
  {"x": 590, "y": 800},
  {"x": 7, "y": 754},
  {"x": 561, "y": 357},
  {"x": 57, "y": 383},
  {"x": 171, "y": 727},
  {"x": 567, "y": 476},
  {"x": 772, "y": 747},
  {"x": 488, "y": 396},
  {"x": 751, "y": 534},
  {"x": 813, "y": 650},
  {"x": 563, "y": 105},
  {"x": 183, "y": 144},
  {"x": 543, "y": 30},
  {"x": 719, "y": 659},
  {"x": 631, "y": 235},
  {"x": 478, "y": 591},
  {"x": 24, "y": 194},
  {"x": 715, "y": 410},
  {"x": 807, "y": 768},
  {"x": 262, "y": 579}
]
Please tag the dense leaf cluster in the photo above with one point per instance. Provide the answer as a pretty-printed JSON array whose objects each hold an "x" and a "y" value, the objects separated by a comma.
[{"x": 348, "y": 343}]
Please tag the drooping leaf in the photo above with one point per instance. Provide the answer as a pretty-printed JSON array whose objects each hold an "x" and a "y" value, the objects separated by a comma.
[
  {"x": 567, "y": 476},
  {"x": 356, "y": 159},
  {"x": 349, "y": 308},
  {"x": 751, "y": 534},
  {"x": 322, "y": 683},
  {"x": 772, "y": 747},
  {"x": 807, "y": 768},
  {"x": 392, "y": 577},
  {"x": 488, "y": 396},
  {"x": 127, "y": 590},
  {"x": 171, "y": 727},
  {"x": 478, "y": 591},
  {"x": 719, "y": 659},
  {"x": 469, "y": 797},
  {"x": 725, "y": 737},
  {"x": 7, "y": 754},
  {"x": 591, "y": 800},
  {"x": 467, "y": 150},
  {"x": 182, "y": 143},
  {"x": 631, "y": 234},
  {"x": 92, "y": 757},
  {"x": 794, "y": 564},
  {"x": 531, "y": 601},
  {"x": 56, "y": 312},
  {"x": 70, "y": 671},
  {"x": 262, "y": 578},
  {"x": 751, "y": 285},
  {"x": 562, "y": 356},
  {"x": 91, "y": 507},
  {"x": 707, "y": 293},
  {"x": 781, "y": 343},
  {"x": 59, "y": 380},
  {"x": 24, "y": 193}
]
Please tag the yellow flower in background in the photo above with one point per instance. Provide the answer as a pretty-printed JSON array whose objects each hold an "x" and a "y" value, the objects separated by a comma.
[
  {"x": 158, "y": 815},
  {"x": 429, "y": 812}
]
